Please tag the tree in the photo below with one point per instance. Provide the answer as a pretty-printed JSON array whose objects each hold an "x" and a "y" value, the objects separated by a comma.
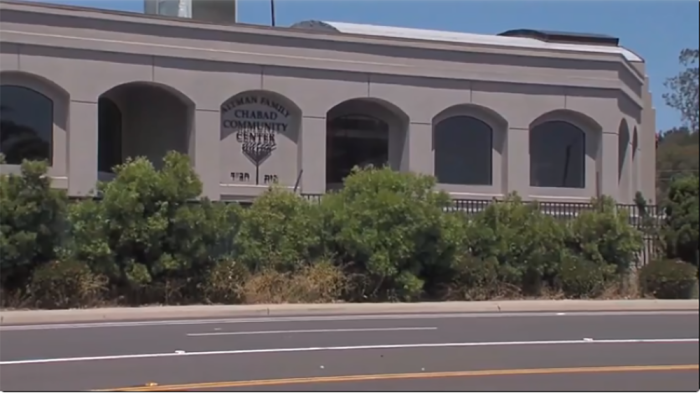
[
  {"x": 677, "y": 153},
  {"x": 683, "y": 96},
  {"x": 676, "y": 156},
  {"x": 682, "y": 219}
]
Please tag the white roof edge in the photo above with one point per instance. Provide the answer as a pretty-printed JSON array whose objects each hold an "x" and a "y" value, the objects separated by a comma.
[{"x": 469, "y": 38}]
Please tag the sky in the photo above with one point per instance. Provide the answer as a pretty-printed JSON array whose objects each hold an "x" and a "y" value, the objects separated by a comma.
[{"x": 656, "y": 30}]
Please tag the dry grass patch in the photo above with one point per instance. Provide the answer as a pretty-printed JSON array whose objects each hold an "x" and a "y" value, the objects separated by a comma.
[
  {"x": 322, "y": 282},
  {"x": 65, "y": 284}
]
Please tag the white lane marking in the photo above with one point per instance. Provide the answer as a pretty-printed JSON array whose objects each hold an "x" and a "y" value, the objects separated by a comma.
[
  {"x": 330, "y": 330},
  {"x": 284, "y": 319},
  {"x": 341, "y": 348}
]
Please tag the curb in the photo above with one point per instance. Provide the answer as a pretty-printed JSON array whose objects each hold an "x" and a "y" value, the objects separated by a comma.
[{"x": 231, "y": 311}]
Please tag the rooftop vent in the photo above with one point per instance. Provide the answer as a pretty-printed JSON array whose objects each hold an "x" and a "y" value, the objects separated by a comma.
[{"x": 564, "y": 37}]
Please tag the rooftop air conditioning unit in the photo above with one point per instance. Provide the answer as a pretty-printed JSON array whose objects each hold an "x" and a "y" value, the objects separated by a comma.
[{"x": 215, "y": 11}]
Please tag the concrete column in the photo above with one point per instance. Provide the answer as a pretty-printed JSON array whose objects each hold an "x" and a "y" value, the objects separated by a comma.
[
  {"x": 204, "y": 151},
  {"x": 82, "y": 148},
  {"x": 637, "y": 175},
  {"x": 517, "y": 162},
  {"x": 417, "y": 151},
  {"x": 312, "y": 152},
  {"x": 608, "y": 166}
]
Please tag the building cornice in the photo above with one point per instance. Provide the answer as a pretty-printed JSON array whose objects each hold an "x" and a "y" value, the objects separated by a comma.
[{"x": 282, "y": 32}]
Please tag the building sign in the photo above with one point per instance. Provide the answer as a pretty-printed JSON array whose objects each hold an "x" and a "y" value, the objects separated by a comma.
[{"x": 256, "y": 122}]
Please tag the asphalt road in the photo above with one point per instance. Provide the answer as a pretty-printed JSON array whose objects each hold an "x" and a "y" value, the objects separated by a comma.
[{"x": 99, "y": 356}]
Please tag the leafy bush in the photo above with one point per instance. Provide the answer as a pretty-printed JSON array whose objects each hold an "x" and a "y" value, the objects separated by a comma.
[
  {"x": 683, "y": 219},
  {"x": 474, "y": 279},
  {"x": 603, "y": 236},
  {"x": 582, "y": 278},
  {"x": 527, "y": 244},
  {"x": 668, "y": 279},
  {"x": 65, "y": 284},
  {"x": 31, "y": 223},
  {"x": 281, "y": 231},
  {"x": 390, "y": 228},
  {"x": 146, "y": 231},
  {"x": 384, "y": 236}
]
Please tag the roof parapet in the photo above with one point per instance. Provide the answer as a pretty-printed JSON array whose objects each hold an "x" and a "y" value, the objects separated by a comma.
[{"x": 576, "y": 42}]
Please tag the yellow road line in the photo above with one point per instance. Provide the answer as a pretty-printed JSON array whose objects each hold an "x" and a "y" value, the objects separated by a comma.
[{"x": 421, "y": 375}]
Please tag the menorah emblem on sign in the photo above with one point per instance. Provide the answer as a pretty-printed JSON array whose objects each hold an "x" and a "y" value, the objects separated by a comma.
[{"x": 258, "y": 152}]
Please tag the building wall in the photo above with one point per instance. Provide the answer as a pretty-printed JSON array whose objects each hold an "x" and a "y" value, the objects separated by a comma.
[{"x": 183, "y": 85}]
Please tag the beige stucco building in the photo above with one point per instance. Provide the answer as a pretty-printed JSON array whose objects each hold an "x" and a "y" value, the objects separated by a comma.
[{"x": 553, "y": 117}]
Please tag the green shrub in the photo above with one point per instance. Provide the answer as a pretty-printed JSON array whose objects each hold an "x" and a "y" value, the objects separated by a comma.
[
  {"x": 385, "y": 236},
  {"x": 682, "y": 219},
  {"x": 65, "y": 284},
  {"x": 604, "y": 236},
  {"x": 581, "y": 278},
  {"x": 668, "y": 279},
  {"x": 649, "y": 226},
  {"x": 474, "y": 279},
  {"x": 146, "y": 231},
  {"x": 391, "y": 230},
  {"x": 526, "y": 243},
  {"x": 281, "y": 231},
  {"x": 31, "y": 223}
]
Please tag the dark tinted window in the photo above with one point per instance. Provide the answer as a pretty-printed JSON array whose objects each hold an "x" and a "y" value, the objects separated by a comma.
[
  {"x": 355, "y": 140},
  {"x": 557, "y": 155},
  {"x": 109, "y": 152},
  {"x": 623, "y": 141},
  {"x": 463, "y": 151},
  {"x": 26, "y": 125}
]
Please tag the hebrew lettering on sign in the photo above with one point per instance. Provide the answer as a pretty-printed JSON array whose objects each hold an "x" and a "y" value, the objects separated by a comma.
[
  {"x": 270, "y": 178},
  {"x": 240, "y": 176}
]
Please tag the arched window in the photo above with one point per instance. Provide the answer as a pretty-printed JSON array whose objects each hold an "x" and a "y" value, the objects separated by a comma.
[
  {"x": 623, "y": 161},
  {"x": 635, "y": 162},
  {"x": 557, "y": 155},
  {"x": 141, "y": 129},
  {"x": 109, "y": 151},
  {"x": 463, "y": 151},
  {"x": 26, "y": 125},
  {"x": 623, "y": 142},
  {"x": 355, "y": 140}
]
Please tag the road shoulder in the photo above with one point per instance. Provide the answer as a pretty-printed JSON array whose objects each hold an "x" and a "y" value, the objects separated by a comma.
[{"x": 8, "y": 317}]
